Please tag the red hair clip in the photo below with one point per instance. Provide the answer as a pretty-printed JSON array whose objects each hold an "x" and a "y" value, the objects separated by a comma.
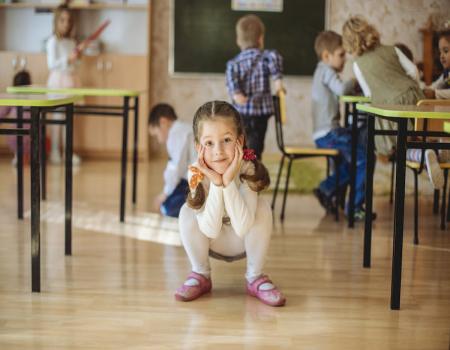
[{"x": 249, "y": 154}]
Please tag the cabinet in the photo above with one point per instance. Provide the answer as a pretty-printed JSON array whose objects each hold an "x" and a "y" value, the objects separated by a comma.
[
  {"x": 101, "y": 137},
  {"x": 95, "y": 136},
  {"x": 431, "y": 63},
  {"x": 10, "y": 64}
]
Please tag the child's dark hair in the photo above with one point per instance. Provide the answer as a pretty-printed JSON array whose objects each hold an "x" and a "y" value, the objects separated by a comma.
[
  {"x": 406, "y": 51},
  {"x": 257, "y": 179},
  {"x": 22, "y": 78},
  {"x": 161, "y": 110},
  {"x": 327, "y": 40},
  {"x": 57, "y": 13},
  {"x": 444, "y": 34}
]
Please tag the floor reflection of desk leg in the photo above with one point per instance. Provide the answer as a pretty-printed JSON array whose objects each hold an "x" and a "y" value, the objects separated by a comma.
[
  {"x": 68, "y": 181},
  {"x": 35, "y": 201},
  {"x": 370, "y": 165},
  {"x": 399, "y": 201}
]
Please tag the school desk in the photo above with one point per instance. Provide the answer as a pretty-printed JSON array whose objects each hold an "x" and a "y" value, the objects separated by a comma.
[
  {"x": 106, "y": 111},
  {"x": 350, "y": 109},
  {"x": 38, "y": 105},
  {"x": 398, "y": 114}
]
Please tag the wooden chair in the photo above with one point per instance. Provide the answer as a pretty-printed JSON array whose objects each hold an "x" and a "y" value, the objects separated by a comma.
[
  {"x": 418, "y": 167},
  {"x": 292, "y": 153}
]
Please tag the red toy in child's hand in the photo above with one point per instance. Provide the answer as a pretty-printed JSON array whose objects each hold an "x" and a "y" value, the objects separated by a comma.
[
  {"x": 249, "y": 154},
  {"x": 93, "y": 36}
]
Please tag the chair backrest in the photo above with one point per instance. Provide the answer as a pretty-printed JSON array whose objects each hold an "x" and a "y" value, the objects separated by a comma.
[
  {"x": 422, "y": 124},
  {"x": 277, "y": 106},
  {"x": 430, "y": 124}
]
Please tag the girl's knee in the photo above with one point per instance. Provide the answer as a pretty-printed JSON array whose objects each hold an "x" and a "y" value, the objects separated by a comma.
[
  {"x": 187, "y": 219},
  {"x": 263, "y": 216}
]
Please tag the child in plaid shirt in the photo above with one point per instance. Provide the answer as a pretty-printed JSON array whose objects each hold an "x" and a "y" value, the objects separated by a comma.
[{"x": 248, "y": 80}]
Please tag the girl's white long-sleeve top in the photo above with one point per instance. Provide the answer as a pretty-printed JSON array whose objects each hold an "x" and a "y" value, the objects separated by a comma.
[
  {"x": 440, "y": 88},
  {"x": 58, "y": 52},
  {"x": 236, "y": 201}
]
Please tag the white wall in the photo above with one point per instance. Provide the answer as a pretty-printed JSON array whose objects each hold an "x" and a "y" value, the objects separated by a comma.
[{"x": 25, "y": 30}]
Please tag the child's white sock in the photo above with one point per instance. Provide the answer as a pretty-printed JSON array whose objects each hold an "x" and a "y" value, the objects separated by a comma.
[
  {"x": 264, "y": 286},
  {"x": 193, "y": 282}
]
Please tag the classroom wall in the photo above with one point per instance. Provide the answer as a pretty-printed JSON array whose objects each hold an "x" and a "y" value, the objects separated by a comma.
[
  {"x": 16, "y": 26},
  {"x": 397, "y": 21}
]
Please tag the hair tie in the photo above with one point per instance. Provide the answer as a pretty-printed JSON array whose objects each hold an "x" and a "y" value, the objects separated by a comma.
[
  {"x": 196, "y": 178},
  {"x": 249, "y": 154}
]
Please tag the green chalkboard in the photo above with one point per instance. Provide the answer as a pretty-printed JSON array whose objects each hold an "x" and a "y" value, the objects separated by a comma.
[{"x": 204, "y": 34}]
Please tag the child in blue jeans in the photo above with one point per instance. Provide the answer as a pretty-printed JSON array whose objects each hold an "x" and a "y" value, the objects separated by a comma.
[
  {"x": 326, "y": 89},
  {"x": 179, "y": 140}
]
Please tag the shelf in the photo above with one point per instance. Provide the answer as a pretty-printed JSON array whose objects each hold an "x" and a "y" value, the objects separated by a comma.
[{"x": 75, "y": 7}]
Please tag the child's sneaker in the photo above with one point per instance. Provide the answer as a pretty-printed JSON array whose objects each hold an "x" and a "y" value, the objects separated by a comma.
[
  {"x": 263, "y": 289},
  {"x": 360, "y": 215},
  {"x": 194, "y": 287},
  {"x": 326, "y": 202},
  {"x": 434, "y": 170}
]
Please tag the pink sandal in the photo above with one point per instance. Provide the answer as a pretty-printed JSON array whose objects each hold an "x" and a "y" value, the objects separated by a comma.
[
  {"x": 272, "y": 297},
  {"x": 188, "y": 293}
]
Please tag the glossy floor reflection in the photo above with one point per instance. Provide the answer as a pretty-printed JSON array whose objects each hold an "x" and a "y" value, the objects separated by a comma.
[{"x": 116, "y": 290}]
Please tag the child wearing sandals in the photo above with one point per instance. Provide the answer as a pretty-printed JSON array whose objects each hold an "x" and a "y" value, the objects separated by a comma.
[{"x": 224, "y": 217}]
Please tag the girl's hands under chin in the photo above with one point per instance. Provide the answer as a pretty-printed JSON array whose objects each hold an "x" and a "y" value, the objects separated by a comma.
[
  {"x": 213, "y": 176},
  {"x": 235, "y": 165}
]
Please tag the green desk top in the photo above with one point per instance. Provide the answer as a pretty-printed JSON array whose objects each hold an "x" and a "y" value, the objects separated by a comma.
[
  {"x": 407, "y": 111},
  {"x": 40, "y": 89},
  {"x": 358, "y": 99},
  {"x": 33, "y": 100},
  {"x": 447, "y": 127}
]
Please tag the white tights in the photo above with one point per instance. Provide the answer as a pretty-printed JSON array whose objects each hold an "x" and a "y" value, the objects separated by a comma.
[
  {"x": 255, "y": 243},
  {"x": 57, "y": 132}
]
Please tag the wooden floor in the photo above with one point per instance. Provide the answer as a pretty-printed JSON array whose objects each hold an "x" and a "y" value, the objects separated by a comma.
[{"x": 116, "y": 291}]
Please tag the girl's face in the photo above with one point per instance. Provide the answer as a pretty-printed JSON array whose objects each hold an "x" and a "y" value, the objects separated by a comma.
[
  {"x": 63, "y": 24},
  {"x": 444, "y": 52},
  {"x": 218, "y": 138}
]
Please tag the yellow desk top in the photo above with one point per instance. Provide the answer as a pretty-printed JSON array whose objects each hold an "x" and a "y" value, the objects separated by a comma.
[
  {"x": 41, "y": 89},
  {"x": 33, "y": 100},
  {"x": 358, "y": 99},
  {"x": 407, "y": 111}
]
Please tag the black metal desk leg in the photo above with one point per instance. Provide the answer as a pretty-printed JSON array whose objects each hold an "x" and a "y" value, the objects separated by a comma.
[
  {"x": 351, "y": 200},
  {"x": 43, "y": 158},
  {"x": 399, "y": 201},
  {"x": 135, "y": 146},
  {"x": 126, "y": 105},
  {"x": 19, "y": 157},
  {"x": 68, "y": 182},
  {"x": 370, "y": 164},
  {"x": 35, "y": 202},
  {"x": 346, "y": 114}
]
